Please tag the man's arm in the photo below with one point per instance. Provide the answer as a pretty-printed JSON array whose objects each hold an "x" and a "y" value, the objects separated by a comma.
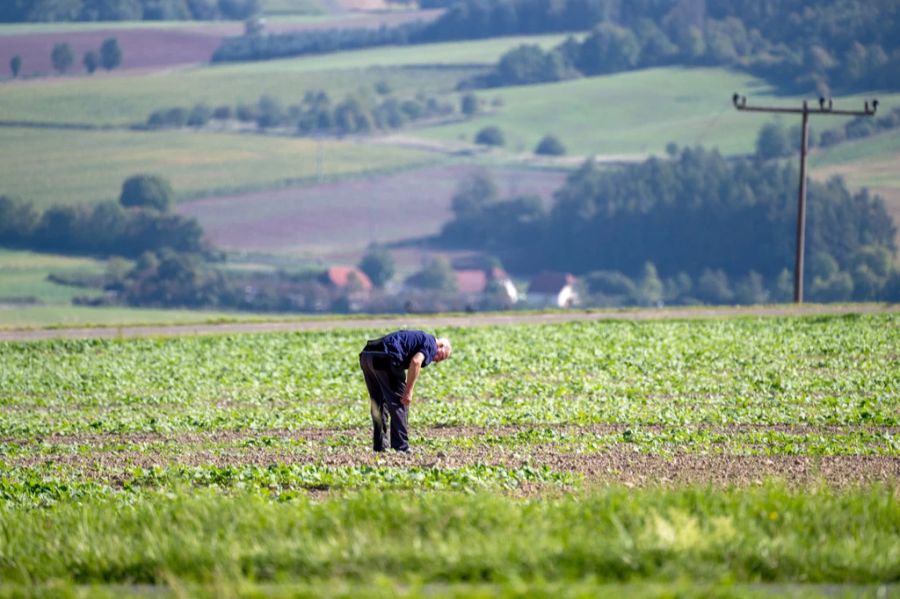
[{"x": 415, "y": 365}]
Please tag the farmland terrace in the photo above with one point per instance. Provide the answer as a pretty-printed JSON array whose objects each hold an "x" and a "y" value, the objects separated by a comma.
[{"x": 153, "y": 46}]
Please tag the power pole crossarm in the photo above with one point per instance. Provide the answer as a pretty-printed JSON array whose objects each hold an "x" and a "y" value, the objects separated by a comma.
[{"x": 826, "y": 107}]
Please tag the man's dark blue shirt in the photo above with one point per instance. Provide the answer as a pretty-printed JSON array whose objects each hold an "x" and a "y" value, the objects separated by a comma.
[{"x": 401, "y": 346}]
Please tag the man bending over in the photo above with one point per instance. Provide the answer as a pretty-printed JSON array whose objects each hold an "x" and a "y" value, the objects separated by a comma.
[{"x": 383, "y": 362}]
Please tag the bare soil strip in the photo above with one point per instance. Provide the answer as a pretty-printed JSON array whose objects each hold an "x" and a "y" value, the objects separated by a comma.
[
  {"x": 433, "y": 321},
  {"x": 619, "y": 464},
  {"x": 323, "y": 435}
]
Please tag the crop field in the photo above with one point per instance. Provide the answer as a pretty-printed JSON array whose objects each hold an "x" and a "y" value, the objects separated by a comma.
[
  {"x": 634, "y": 112},
  {"x": 73, "y": 167},
  {"x": 156, "y": 45},
  {"x": 23, "y": 278},
  {"x": 724, "y": 457},
  {"x": 123, "y": 99},
  {"x": 271, "y": 7},
  {"x": 321, "y": 219},
  {"x": 874, "y": 159},
  {"x": 872, "y": 162}
]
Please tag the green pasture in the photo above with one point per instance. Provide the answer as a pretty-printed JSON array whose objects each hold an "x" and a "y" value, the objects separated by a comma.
[
  {"x": 870, "y": 161},
  {"x": 130, "y": 99},
  {"x": 126, "y": 99},
  {"x": 48, "y": 166},
  {"x": 636, "y": 112},
  {"x": 29, "y": 300},
  {"x": 239, "y": 464},
  {"x": 23, "y": 279},
  {"x": 292, "y": 7}
]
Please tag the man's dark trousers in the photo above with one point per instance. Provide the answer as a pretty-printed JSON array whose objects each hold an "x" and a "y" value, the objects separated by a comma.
[{"x": 386, "y": 382}]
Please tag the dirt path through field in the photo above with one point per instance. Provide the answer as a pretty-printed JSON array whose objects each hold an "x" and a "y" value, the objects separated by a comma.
[{"x": 439, "y": 321}]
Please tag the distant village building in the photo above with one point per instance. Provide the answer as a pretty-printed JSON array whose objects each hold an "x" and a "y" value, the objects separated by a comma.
[
  {"x": 552, "y": 289},
  {"x": 475, "y": 284},
  {"x": 346, "y": 278}
]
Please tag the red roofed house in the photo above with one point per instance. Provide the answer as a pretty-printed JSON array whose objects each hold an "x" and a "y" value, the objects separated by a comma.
[
  {"x": 347, "y": 278},
  {"x": 552, "y": 289}
]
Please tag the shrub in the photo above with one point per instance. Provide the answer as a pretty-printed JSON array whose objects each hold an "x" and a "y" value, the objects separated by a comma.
[
  {"x": 550, "y": 146},
  {"x": 490, "y": 136},
  {"x": 147, "y": 191}
]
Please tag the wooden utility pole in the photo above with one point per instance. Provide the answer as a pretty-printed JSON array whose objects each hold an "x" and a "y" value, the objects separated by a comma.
[{"x": 825, "y": 107}]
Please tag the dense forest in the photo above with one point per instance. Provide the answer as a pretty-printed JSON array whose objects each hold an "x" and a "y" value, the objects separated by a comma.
[
  {"x": 689, "y": 215},
  {"x": 829, "y": 45},
  {"x": 16, "y": 11}
]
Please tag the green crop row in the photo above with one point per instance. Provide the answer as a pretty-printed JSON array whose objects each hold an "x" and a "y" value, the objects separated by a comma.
[
  {"x": 29, "y": 487},
  {"x": 818, "y": 371}
]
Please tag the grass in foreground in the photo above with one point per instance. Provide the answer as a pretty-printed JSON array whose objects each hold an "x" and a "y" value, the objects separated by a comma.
[{"x": 610, "y": 535}]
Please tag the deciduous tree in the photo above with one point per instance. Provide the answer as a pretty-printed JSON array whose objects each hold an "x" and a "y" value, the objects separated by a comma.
[
  {"x": 62, "y": 57},
  {"x": 147, "y": 191},
  {"x": 91, "y": 61},
  {"x": 110, "y": 54},
  {"x": 15, "y": 65},
  {"x": 379, "y": 266}
]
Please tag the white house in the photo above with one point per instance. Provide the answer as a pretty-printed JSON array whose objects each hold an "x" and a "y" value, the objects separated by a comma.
[{"x": 552, "y": 289}]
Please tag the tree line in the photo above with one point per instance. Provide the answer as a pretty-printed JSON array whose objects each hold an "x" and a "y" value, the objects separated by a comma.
[
  {"x": 21, "y": 11},
  {"x": 694, "y": 216},
  {"x": 140, "y": 221},
  {"x": 317, "y": 113},
  {"x": 612, "y": 48},
  {"x": 108, "y": 56},
  {"x": 799, "y": 46}
]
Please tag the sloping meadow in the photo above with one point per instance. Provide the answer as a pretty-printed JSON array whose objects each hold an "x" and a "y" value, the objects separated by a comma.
[{"x": 719, "y": 451}]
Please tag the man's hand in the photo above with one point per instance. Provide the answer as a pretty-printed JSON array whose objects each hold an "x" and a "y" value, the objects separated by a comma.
[{"x": 415, "y": 365}]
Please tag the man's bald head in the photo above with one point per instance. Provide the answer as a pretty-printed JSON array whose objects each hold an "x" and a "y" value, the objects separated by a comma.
[{"x": 444, "y": 349}]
